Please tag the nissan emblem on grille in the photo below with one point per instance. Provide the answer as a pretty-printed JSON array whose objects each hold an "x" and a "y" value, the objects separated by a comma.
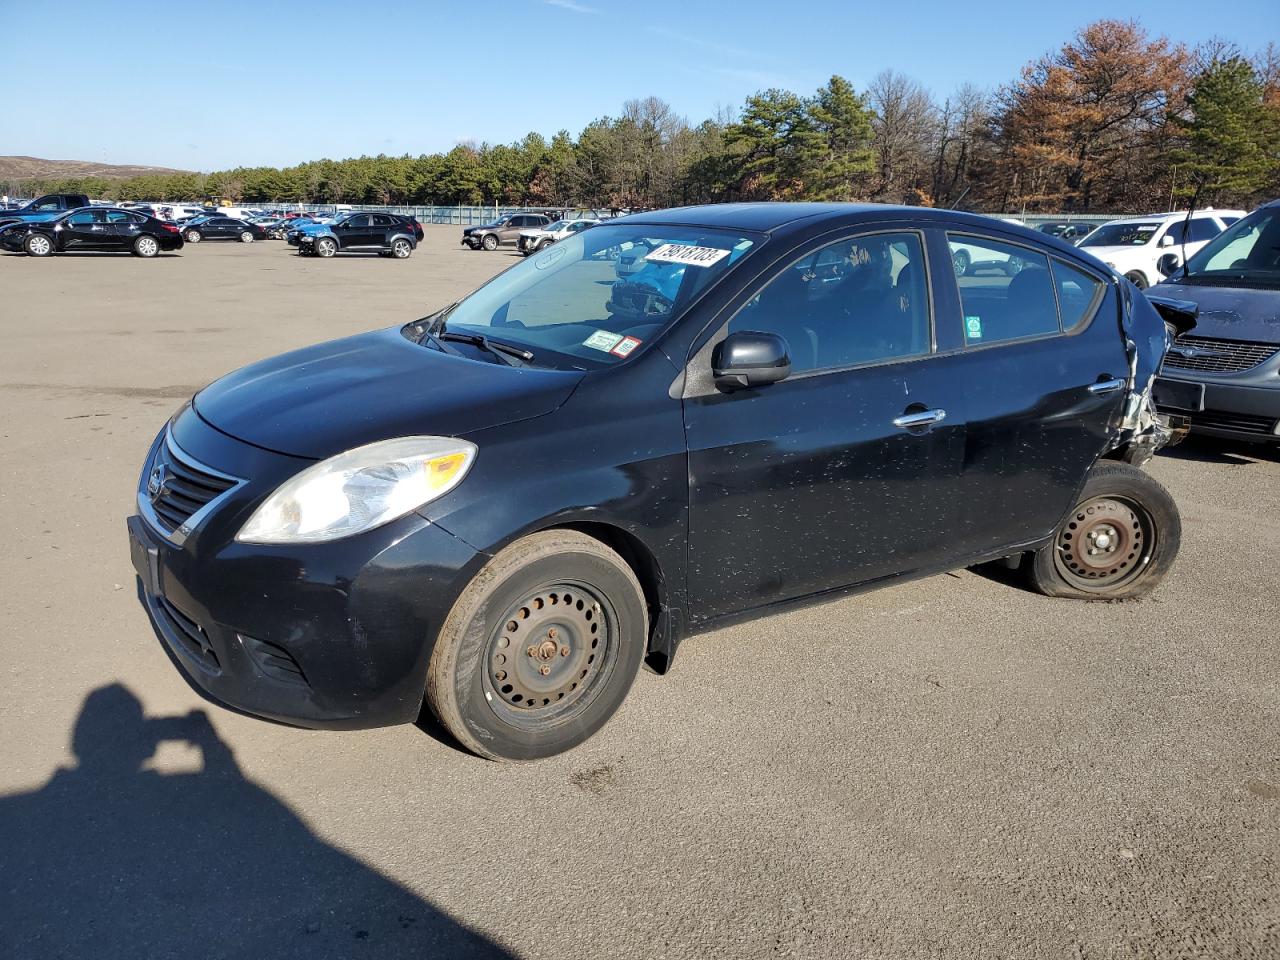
[{"x": 155, "y": 483}]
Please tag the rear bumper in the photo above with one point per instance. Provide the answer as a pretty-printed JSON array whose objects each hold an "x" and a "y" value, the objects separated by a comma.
[{"x": 1234, "y": 411}]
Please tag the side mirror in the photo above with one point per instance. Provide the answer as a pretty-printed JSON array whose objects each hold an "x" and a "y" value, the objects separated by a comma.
[
  {"x": 1166, "y": 240},
  {"x": 750, "y": 359},
  {"x": 1168, "y": 264}
]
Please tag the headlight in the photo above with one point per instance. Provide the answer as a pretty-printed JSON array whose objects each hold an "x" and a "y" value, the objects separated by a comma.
[{"x": 359, "y": 490}]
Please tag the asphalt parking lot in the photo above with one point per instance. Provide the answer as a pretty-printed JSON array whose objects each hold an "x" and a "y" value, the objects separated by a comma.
[{"x": 948, "y": 768}]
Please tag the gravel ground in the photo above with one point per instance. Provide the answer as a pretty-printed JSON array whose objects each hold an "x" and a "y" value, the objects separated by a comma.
[{"x": 948, "y": 768}]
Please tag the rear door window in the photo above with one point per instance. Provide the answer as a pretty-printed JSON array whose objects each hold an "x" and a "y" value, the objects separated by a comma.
[
  {"x": 1078, "y": 293},
  {"x": 1006, "y": 291}
]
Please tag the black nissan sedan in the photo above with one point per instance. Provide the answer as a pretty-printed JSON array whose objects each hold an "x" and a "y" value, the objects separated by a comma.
[
  {"x": 92, "y": 229},
  {"x": 503, "y": 508}
]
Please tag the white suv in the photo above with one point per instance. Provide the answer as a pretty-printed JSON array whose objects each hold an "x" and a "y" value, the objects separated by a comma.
[
  {"x": 1134, "y": 246},
  {"x": 531, "y": 241}
]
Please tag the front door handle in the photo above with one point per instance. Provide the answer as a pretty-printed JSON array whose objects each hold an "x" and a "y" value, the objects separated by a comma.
[
  {"x": 924, "y": 418},
  {"x": 1106, "y": 386}
]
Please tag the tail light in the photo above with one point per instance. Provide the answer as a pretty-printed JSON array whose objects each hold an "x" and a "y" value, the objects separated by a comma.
[{"x": 172, "y": 228}]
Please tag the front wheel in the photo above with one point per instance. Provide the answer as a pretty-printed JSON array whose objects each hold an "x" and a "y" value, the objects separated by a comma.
[
  {"x": 38, "y": 245},
  {"x": 1116, "y": 544},
  {"x": 490, "y": 242},
  {"x": 146, "y": 247},
  {"x": 540, "y": 649},
  {"x": 1137, "y": 278},
  {"x": 401, "y": 249},
  {"x": 326, "y": 247}
]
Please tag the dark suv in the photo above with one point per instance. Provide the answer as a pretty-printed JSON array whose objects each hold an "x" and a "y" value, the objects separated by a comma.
[
  {"x": 489, "y": 236},
  {"x": 387, "y": 233}
]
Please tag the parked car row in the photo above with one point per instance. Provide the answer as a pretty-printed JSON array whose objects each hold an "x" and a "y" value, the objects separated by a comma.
[{"x": 92, "y": 229}]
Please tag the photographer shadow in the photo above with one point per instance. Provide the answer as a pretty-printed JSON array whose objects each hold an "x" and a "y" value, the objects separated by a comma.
[{"x": 109, "y": 859}]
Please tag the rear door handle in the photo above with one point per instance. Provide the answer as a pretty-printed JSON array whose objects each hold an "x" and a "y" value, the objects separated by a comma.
[
  {"x": 924, "y": 418},
  {"x": 1106, "y": 386}
]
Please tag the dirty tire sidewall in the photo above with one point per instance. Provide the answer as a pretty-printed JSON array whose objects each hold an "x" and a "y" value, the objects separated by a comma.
[
  {"x": 455, "y": 682},
  {"x": 1125, "y": 482}
]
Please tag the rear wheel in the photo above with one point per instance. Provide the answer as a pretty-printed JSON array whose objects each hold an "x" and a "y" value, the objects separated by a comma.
[
  {"x": 1137, "y": 278},
  {"x": 490, "y": 242},
  {"x": 38, "y": 245},
  {"x": 326, "y": 247},
  {"x": 540, "y": 649},
  {"x": 146, "y": 247},
  {"x": 959, "y": 262},
  {"x": 401, "y": 248},
  {"x": 1013, "y": 266},
  {"x": 1116, "y": 544},
  {"x": 246, "y": 237},
  {"x": 193, "y": 236}
]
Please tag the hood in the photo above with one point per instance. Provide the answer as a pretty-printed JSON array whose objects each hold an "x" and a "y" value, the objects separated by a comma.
[
  {"x": 328, "y": 398},
  {"x": 1120, "y": 250},
  {"x": 1230, "y": 313},
  {"x": 481, "y": 226}
]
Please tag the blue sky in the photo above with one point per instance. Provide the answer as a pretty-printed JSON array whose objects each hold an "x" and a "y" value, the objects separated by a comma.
[{"x": 209, "y": 85}]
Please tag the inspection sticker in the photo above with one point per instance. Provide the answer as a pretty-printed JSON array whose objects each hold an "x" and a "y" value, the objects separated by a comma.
[
  {"x": 603, "y": 340},
  {"x": 689, "y": 256},
  {"x": 973, "y": 327},
  {"x": 625, "y": 347}
]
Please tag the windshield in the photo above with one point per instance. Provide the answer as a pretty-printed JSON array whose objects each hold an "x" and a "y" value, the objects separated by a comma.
[
  {"x": 1248, "y": 250},
  {"x": 553, "y": 227},
  {"x": 1121, "y": 235},
  {"x": 596, "y": 297}
]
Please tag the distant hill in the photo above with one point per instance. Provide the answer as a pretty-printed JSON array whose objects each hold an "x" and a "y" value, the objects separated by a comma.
[{"x": 34, "y": 168}]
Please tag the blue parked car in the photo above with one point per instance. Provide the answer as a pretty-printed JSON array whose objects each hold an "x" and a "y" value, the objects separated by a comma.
[{"x": 48, "y": 207}]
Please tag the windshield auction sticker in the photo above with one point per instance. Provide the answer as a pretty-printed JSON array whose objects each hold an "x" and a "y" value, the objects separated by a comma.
[
  {"x": 689, "y": 256},
  {"x": 603, "y": 340},
  {"x": 625, "y": 346}
]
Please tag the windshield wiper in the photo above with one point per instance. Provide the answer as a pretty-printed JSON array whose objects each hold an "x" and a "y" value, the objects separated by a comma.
[{"x": 503, "y": 351}]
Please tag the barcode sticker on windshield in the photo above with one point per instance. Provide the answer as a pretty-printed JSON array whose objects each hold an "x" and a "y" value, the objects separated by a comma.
[{"x": 689, "y": 256}]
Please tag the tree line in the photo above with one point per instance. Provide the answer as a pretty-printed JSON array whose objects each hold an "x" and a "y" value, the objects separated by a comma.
[{"x": 1115, "y": 119}]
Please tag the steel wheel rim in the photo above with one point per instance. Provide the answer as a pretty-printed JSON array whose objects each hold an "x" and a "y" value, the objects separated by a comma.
[
  {"x": 529, "y": 679},
  {"x": 147, "y": 247},
  {"x": 39, "y": 246},
  {"x": 1106, "y": 543}
]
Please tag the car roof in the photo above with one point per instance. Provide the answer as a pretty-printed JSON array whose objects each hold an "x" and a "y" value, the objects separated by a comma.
[{"x": 768, "y": 217}]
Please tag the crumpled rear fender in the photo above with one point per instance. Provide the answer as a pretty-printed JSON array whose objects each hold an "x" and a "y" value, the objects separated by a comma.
[{"x": 1148, "y": 326}]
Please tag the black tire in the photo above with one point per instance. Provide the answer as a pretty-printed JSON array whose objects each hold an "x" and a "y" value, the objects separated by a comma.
[
  {"x": 325, "y": 247},
  {"x": 469, "y": 688},
  {"x": 544, "y": 244},
  {"x": 1131, "y": 525},
  {"x": 960, "y": 262},
  {"x": 490, "y": 241},
  {"x": 1137, "y": 278},
  {"x": 146, "y": 247},
  {"x": 38, "y": 245},
  {"x": 1013, "y": 266},
  {"x": 193, "y": 236}
]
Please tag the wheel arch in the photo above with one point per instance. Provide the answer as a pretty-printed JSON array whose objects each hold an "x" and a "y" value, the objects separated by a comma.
[{"x": 644, "y": 564}]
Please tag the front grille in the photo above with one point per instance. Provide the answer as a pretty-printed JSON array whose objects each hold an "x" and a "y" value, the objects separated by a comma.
[
  {"x": 177, "y": 486},
  {"x": 1212, "y": 355},
  {"x": 1239, "y": 422},
  {"x": 187, "y": 634}
]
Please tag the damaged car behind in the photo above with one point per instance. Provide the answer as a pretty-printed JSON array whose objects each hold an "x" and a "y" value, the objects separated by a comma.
[{"x": 502, "y": 509}]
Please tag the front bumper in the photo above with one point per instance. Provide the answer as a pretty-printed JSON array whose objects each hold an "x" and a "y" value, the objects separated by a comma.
[
  {"x": 335, "y": 635},
  {"x": 1233, "y": 411}
]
